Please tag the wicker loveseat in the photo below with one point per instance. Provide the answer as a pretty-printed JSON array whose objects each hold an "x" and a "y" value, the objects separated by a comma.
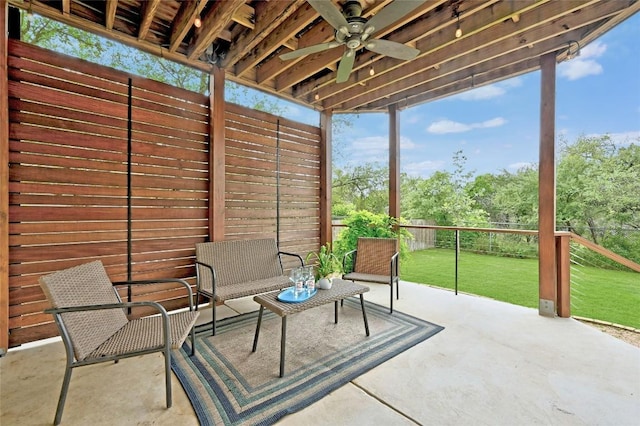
[{"x": 231, "y": 269}]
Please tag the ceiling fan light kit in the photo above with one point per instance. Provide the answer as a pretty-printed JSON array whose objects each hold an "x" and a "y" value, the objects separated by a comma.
[{"x": 353, "y": 31}]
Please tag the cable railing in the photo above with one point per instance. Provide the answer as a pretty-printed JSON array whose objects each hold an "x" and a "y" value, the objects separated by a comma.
[
  {"x": 605, "y": 287},
  {"x": 503, "y": 264}
]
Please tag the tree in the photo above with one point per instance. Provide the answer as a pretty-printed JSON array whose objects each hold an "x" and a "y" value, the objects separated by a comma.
[
  {"x": 516, "y": 198},
  {"x": 62, "y": 38},
  {"x": 483, "y": 190},
  {"x": 444, "y": 199},
  {"x": 597, "y": 186},
  {"x": 363, "y": 187}
]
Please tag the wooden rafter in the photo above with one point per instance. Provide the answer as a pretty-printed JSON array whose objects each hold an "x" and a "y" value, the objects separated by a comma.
[
  {"x": 147, "y": 13},
  {"x": 498, "y": 38},
  {"x": 111, "y": 7},
  {"x": 213, "y": 24}
]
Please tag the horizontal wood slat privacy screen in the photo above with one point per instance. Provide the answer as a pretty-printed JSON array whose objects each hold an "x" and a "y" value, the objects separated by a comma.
[
  {"x": 260, "y": 154},
  {"x": 79, "y": 190}
]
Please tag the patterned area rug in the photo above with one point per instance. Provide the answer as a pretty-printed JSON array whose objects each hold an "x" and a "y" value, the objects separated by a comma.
[{"x": 229, "y": 384}]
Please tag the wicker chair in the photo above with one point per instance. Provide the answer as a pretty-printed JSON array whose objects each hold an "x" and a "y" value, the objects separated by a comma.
[
  {"x": 94, "y": 327},
  {"x": 375, "y": 260}
]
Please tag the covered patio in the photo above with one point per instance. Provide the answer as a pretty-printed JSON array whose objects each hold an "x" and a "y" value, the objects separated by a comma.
[
  {"x": 494, "y": 363},
  {"x": 107, "y": 165}
]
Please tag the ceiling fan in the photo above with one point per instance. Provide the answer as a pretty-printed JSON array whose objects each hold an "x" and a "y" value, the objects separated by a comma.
[{"x": 353, "y": 31}]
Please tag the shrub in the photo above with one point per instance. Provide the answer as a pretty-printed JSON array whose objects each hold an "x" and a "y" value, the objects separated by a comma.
[{"x": 366, "y": 224}]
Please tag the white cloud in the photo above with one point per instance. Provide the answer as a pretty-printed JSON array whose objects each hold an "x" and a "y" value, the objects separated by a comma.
[
  {"x": 494, "y": 122},
  {"x": 593, "y": 50},
  {"x": 585, "y": 64},
  {"x": 448, "y": 126},
  {"x": 422, "y": 168}
]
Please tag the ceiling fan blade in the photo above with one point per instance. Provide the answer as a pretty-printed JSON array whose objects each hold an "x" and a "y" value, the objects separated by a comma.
[
  {"x": 392, "y": 49},
  {"x": 331, "y": 14},
  {"x": 309, "y": 50},
  {"x": 346, "y": 65},
  {"x": 391, "y": 14}
]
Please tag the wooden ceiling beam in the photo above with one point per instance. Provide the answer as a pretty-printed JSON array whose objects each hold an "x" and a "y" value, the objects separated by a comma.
[
  {"x": 148, "y": 12},
  {"x": 245, "y": 16},
  {"x": 269, "y": 16},
  {"x": 439, "y": 36},
  {"x": 493, "y": 76},
  {"x": 494, "y": 44},
  {"x": 543, "y": 22},
  {"x": 320, "y": 33},
  {"x": 213, "y": 24},
  {"x": 110, "y": 8},
  {"x": 436, "y": 23},
  {"x": 317, "y": 62},
  {"x": 452, "y": 73},
  {"x": 183, "y": 22},
  {"x": 98, "y": 28},
  {"x": 412, "y": 86},
  {"x": 306, "y": 87},
  {"x": 282, "y": 35}
]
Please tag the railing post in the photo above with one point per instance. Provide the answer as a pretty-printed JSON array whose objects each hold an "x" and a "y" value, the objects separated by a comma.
[
  {"x": 457, "y": 256},
  {"x": 563, "y": 271}
]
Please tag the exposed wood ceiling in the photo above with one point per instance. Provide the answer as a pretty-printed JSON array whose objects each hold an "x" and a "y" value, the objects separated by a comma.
[{"x": 500, "y": 39}]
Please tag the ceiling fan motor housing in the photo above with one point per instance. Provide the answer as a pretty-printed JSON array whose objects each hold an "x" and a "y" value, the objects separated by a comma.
[{"x": 356, "y": 28}]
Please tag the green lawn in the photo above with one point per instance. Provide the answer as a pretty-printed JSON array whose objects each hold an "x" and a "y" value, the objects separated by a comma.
[{"x": 612, "y": 296}]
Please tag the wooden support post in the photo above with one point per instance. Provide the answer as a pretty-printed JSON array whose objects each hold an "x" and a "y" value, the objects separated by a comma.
[
  {"x": 394, "y": 161},
  {"x": 4, "y": 178},
  {"x": 326, "y": 229},
  {"x": 547, "y": 189},
  {"x": 216, "y": 155},
  {"x": 563, "y": 279}
]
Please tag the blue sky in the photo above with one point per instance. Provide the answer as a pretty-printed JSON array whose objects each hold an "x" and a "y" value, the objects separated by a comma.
[{"x": 497, "y": 126}]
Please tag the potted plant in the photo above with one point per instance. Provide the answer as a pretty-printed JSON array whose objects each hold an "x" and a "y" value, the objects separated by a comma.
[{"x": 326, "y": 265}]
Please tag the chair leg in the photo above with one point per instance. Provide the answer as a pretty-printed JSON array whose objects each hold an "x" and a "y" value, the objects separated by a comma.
[
  {"x": 167, "y": 374},
  {"x": 63, "y": 395},
  {"x": 193, "y": 340},
  {"x": 391, "y": 300},
  {"x": 213, "y": 321}
]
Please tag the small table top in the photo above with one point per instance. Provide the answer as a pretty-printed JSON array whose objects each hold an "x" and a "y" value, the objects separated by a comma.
[{"x": 340, "y": 289}]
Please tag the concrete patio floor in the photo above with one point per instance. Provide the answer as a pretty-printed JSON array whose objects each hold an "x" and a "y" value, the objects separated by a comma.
[{"x": 493, "y": 364}]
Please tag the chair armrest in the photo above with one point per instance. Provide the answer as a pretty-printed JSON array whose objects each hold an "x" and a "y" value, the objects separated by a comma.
[
  {"x": 184, "y": 283},
  {"x": 348, "y": 254},
  {"x": 394, "y": 265},
  {"x": 122, "y": 305},
  {"x": 292, "y": 254},
  {"x": 213, "y": 276}
]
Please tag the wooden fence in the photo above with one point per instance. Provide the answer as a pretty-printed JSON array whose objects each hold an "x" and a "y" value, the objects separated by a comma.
[{"x": 106, "y": 165}]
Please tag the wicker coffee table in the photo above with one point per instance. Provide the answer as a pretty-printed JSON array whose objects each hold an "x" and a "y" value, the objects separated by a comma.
[{"x": 339, "y": 290}]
